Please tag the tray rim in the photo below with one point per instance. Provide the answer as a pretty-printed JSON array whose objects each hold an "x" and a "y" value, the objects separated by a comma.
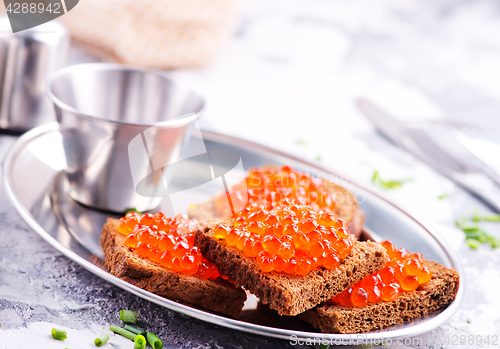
[{"x": 285, "y": 334}]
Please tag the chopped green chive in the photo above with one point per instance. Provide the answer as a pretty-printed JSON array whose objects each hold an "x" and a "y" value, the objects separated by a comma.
[
  {"x": 59, "y": 334},
  {"x": 301, "y": 142},
  {"x": 318, "y": 158},
  {"x": 384, "y": 184},
  {"x": 135, "y": 330},
  {"x": 139, "y": 342},
  {"x": 474, "y": 234},
  {"x": 465, "y": 225},
  {"x": 128, "y": 316},
  {"x": 123, "y": 332},
  {"x": 443, "y": 196},
  {"x": 469, "y": 228},
  {"x": 324, "y": 346},
  {"x": 154, "y": 341},
  {"x": 476, "y": 217},
  {"x": 131, "y": 210},
  {"x": 492, "y": 218},
  {"x": 102, "y": 339},
  {"x": 494, "y": 242},
  {"x": 474, "y": 244}
]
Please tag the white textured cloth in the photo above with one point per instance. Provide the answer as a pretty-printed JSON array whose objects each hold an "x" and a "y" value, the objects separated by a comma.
[{"x": 164, "y": 34}]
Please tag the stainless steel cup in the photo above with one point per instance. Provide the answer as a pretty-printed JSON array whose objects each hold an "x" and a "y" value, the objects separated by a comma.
[
  {"x": 27, "y": 58},
  {"x": 104, "y": 108}
]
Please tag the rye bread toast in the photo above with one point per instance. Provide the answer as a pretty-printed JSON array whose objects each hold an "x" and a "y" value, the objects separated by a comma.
[
  {"x": 218, "y": 295},
  {"x": 437, "y": 293},
  {"x": 289, "y": 294},
  {"x": 347, "y": 208}
]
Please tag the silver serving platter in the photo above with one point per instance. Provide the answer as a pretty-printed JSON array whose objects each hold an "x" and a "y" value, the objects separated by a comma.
[{"x": 36, "y": 186}]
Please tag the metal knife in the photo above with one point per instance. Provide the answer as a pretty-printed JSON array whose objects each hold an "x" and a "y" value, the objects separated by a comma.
[{"x": 440, "y": 147}]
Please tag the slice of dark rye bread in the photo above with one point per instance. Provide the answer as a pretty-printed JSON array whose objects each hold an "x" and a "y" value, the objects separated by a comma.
[
  {"x": 437, "y": 293},
  {"x": 217, "y": 295},
  {"x": 347, "y": 208},
  {"x": 285, "y": 293}
]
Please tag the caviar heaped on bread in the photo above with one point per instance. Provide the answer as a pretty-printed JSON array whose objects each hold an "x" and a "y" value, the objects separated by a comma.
[
  {"x": 404, "y": 272},
  {"x": 166, "y": 241},
  {"x": 287, "y": 293},
  {"x": 291, "y": 238},
  {"x": 269, "y": 187},
  {"x": 437, "y": 293},
  {"x": 203, "y": 291},
  {"x": 408, "y": 288}
]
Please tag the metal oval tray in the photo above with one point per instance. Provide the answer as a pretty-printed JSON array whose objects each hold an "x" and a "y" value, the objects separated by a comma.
[{"x": 36, "y": 186}]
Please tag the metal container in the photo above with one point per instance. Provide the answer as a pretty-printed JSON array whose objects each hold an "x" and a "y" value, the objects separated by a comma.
[
  {"x": 27, "y": 58},
  {"x": 103, "y": 111}
]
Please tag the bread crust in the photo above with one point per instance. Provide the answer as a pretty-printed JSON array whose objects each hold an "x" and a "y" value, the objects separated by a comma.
[
  {"x": 289, "y": 294},
  {"x": 217, "y": 295},
  {"x": 437, "y": 293}
]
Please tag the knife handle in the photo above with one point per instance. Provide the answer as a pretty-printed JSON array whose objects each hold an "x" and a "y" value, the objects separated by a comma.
[{"x": 477, "y": 183}]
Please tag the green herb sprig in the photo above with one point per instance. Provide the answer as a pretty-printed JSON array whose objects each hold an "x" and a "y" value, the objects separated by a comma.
[
  {"x": 388, "y": 184},
  {"x": 154, "y": 341},
  {"x": 140, "y": 342},
  {"x": 101, "y": 340},
  {"x": 59, "y": 334},
  {"x": 475, "y": 235},
  {"x": 135, "y": 330},
  {"x": 122, "y": 332},
  {"x": 128, "y": 316}
]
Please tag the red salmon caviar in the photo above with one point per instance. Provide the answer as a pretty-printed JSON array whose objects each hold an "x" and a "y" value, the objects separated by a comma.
[
  {"x": 424, "y": 275},
  {"x": 315, "y": 235},
  {"x": 221, "y": 231},
  {"x": 359, "y": 297},
  {"x": 411, "y": 266},
  {"x": 287, "y": 231},
  {"x": 316, "y": 249},
  {"x": 232, "y": 237},
  {"x": 257, "y": 247},
  {"x": 386, "y": 275},
  {"x": 147, "y": 219},
  {"x": 256, "y": 227},
  {"x": 332, "y": 261},
  {"x": 374, "y": 294},
  {"x": 345, "y": 297},
  {"x": 131, "y": 241},
  {"x": 247, "y": 247},
  {"x": 241, "y": 240},
  {"x": 280, "y": 263},
  {"x": 303, "y": 266},
  {"x": 404, "y": 272},
  {"x": 292, "y": 264},
  {"x": 168, "y": 242},
  {"x": 271, "y": 244},
  {"x": 369, "y": 281},
  {"x": 409, "y": 283},
  {"x": 265, "y": 261},
  {"x": 272, "y": 219},
  {"x": 155, "y": 254},
  {"x": 286, "y": 250},
  {"x": 390, "y": 248},
  {"x": 301, "y": 241},
  {"x": 270, "y": 188},
  {"x": 389, "y": 292}
]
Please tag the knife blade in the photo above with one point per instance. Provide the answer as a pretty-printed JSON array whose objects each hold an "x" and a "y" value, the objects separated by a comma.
[{"x": 441, "y": 148}]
